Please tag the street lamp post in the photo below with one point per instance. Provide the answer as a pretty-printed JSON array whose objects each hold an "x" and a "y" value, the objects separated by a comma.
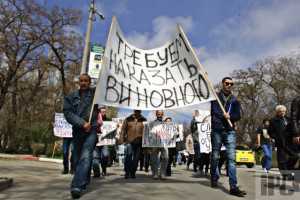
[{"x": 92, "y": 13}]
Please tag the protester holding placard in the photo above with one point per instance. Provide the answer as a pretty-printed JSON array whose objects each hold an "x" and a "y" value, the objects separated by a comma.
[
  {"x": 223, "y": 132},
  {"x": 171, "y": 151},
  {"x": 100, "y": 153},
  {"x": 131, "y": 135},
  {"x": 77, "y": 108},
  {"x": 159, "y": 155},
  {"x": 189, "y": 145}
]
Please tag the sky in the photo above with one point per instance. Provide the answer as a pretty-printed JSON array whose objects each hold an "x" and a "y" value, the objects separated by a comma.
[{"x": 226, "y": 34}]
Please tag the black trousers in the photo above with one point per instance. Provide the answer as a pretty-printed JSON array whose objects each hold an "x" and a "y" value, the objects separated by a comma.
[{"x": 172, "y": 155}]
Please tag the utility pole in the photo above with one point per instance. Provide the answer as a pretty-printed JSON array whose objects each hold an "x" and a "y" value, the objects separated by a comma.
[{"x": 92, "y": 13}]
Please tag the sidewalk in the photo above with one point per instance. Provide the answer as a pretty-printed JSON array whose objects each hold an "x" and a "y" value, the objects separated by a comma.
[
  {"x": 28, "y": 157},
  {"x": 8, "y": 182}
]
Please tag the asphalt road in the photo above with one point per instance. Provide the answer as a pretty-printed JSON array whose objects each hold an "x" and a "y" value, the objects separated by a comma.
[{"x": 42, "y": 180}]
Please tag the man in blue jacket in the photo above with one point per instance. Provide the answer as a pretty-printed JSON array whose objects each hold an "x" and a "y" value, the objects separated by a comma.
[
  {"x": 77, "y": 108},
  {"x": 222, "y": 132}
]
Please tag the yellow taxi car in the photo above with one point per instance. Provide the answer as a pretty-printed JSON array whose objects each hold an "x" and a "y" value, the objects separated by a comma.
[{"x": 244, "y": 156}]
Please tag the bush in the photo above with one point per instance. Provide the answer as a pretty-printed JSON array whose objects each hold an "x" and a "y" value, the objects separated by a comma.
[
  {"x": 36, "y": 139},
  {"x": 58, "y": 150},
  {"x": 37, "y": 149}
]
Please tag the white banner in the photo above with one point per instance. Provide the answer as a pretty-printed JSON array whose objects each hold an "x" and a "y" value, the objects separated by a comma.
[
  {"x": 108, "y": 134},
  {"x": 159, "y": 134},
  {"x": 163, "y": 78},
  {"x": 61, "y": 127}
]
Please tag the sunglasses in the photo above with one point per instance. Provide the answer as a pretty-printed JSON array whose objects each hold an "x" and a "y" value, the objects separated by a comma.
[{"x": 228, "y": 83}]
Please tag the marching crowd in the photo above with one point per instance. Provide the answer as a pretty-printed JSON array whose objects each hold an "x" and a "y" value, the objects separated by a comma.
[{"x": 87, "y": 157}]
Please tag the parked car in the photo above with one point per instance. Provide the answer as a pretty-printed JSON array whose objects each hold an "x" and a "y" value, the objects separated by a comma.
[{"x": 245, "y": 156}]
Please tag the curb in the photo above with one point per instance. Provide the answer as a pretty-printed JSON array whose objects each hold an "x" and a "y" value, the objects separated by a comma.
[
  {"x": 29, "y": 157},
  {"x": 5, "y": 183}
]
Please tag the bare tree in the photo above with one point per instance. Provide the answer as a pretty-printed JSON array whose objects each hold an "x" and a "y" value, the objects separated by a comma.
[{"x": 34, "y": 40}]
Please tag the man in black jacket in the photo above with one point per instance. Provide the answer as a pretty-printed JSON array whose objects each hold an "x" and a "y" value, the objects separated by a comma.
[{"x": 223, "y": 133}]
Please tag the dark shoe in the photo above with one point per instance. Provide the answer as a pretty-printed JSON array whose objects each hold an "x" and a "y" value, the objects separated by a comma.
[
  {"x": 214, "y": 184},
  {"x": 133, "y": 176},
  {"x": 75, "y": 192},
  {"x": 65, "y": 171},
  {"x": 237, "y": 192},
  {"x": 96, "y": 171},
  {"x": 147, "y": 170},
  {"x": 126, "y": 176},
  {"x": 96, "y": 174}
]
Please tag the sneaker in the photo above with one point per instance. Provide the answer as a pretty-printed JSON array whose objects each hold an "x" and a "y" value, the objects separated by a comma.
[
  {"x": 155, "y": 177},
  {"x": 265, "y": 170},
  {"x": 75, "y": 193},
  {"x": 237, "y": 192},
  {"x": 291, "y": 177},
  {"x": 96, "y": 174},
  {"x": 162, "y": 177}
]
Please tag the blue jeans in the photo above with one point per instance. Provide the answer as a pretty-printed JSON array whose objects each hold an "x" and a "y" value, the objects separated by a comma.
[
  {"x": 67, "y": 143},
  {"x": 267, "y": 159},
  {"x": 84, "y": 145},
  {"x": 132, "y": 154},
  {"x": 101, "y": 155},
  {"x": 228, "y": 138}
]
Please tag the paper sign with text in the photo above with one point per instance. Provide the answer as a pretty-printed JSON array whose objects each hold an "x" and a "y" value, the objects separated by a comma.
[
  {"x": 159, "y": 134},
  {"x": 108, "y": 134},
  {"x": 61, "y": 127}
]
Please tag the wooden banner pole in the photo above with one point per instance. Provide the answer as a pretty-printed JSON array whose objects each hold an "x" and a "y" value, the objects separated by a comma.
[{"x": 201, "y": 68}]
